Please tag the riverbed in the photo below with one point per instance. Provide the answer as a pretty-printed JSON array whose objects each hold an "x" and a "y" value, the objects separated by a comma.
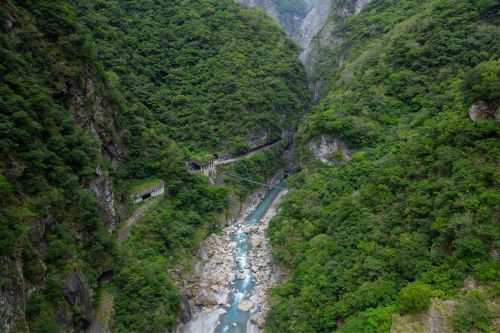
[{"x": 234, "y": 271}]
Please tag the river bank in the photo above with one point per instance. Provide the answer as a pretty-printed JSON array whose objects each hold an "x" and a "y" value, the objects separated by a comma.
[{"x": 233, "y": 271}]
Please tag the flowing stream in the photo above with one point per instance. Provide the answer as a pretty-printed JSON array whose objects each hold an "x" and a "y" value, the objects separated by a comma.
[
  {"x": 233, "y": 272},
  {"x": 235, "y": 320}
]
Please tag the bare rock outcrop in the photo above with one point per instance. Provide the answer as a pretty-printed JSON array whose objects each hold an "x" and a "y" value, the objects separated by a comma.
[
  {"x": 485, "y": 110},
  {"x": 101, "y": 187},
  {"x": 98, "y": 118},
  {"x": 329, "y": 149},
  {"x": 436, "y": 320},
  {"x": 12, "y": 296},
  {"x": 77, "y": 293},
  {"x": 205, "y": 297}
]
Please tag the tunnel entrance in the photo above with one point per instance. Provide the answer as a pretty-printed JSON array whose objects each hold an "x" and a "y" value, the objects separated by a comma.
[
  {"x": 105, "y": 276},
  {"x": 192, "y": 165}
]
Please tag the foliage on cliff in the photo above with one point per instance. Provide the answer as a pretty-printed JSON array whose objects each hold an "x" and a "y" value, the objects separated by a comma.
[
  {"x": 146, "y": 298},
  {"x": 416, "y": 209},
  {"x": 128, "y": 90},
  {"x": 210, "y": 72},
  {"x": 49, "y": 220}
]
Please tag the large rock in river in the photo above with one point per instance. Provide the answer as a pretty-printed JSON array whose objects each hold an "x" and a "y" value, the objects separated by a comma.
[
  {"x": 258, "y": 319},
  {"x": 256, "y": 242},
  {"x": 245, "y": 305},
  {"x": 205, "y": 297}
]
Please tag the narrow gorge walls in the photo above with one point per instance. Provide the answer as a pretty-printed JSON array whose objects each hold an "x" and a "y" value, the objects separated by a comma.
[
  {"x": 97, "y": 97},
  {"x": 309, "y": 23}
]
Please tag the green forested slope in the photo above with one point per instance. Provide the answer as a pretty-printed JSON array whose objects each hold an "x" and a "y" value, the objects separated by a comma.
[
  {"x": 415, "y": 212},
  {"x": 49, "y": 219},
  {"x": 212, "y": 73},
  {"x": 128, "y": 99}
]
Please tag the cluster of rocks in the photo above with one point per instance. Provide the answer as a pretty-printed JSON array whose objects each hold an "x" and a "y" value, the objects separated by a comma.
[
  {"x": 259, "y": 259},
  {"x": 211, "y": 285}
]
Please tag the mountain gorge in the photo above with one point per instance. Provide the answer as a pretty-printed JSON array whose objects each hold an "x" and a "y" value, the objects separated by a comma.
[
  {"x": 309, "y": 23},
  {"x": 384, "y": 113},
  {"x": 100, "y": 99}
]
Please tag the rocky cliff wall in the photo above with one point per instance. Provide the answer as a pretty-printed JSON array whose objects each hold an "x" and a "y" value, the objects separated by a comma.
[
  {"x": 68, "y": 89},
  {"x": 310, "y": 23},
  {"x": 326, "y": 37}
]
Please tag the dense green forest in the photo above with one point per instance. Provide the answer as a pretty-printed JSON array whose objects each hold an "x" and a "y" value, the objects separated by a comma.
[
  {"x": 100, "y": 98},
  {"x": 118, "y": 93},
  {"x": 231, "y": 72},
  {"x": 49, "y": 221},
  {"x": 414, "y": 213}
]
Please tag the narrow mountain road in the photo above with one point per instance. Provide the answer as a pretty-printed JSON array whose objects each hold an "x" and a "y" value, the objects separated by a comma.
[
  {"x": 212, "y": 165},
  {"x": 258, "y": 150},
  {"x": 100, "y": 321},
  {"x": 125, "y": 229}
]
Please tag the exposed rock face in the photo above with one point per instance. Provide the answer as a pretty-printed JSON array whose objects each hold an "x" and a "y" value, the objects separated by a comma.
[
  {"x": 12, "y": 296},
  {"x": 99, "y": 119},
  {"x": 77, "y": 293},
  {"x": 185, "y": 311},
  {"x": 288, "y": 18},
  {"x": 310, "y": 23},
  {"x": 236, "y": 209},
  {"x": 202, "y": 253},
  {"x": 13, "y": 24},
  {"x": 101, "y": 320},
  {"x": 301, "y": 20},
  {"x": 232, "y": 212},
  {"x": 95, "y": 114},
  {"x": 326, "y": 38},
  {"x": 202, "y": 321},
  {"x": 257, "y": 139},
  {"x": 205, "y": 297},
  {"x": 485, "y": 110},
  {"x": 437, "y": 317},
  {"x": 101, "y": 187},
  {"x": 435, "y": 320},
  {"x": 329, "y": 150}
]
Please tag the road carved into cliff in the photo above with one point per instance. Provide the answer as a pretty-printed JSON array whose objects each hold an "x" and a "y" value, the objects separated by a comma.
[{"x": 125, "y": 229}]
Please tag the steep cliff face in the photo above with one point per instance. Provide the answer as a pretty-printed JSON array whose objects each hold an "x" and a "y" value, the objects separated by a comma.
[
  {"x": 329, "y": 150},
  {"x": 12, "y": 296},
  {"x": 103, "y": 191},
  {"x": 324, "y": 28},
  {"x": 60, "y": 134},
  {"x": 94, "y": 113},
  {"x": 310, "y": 23},
  {"x": 413, "y": 87},
  {"x": 288, "y": 14}
]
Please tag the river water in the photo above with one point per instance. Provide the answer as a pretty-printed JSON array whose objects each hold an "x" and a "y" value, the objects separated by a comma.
[{"x": 235, "y": 321}]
